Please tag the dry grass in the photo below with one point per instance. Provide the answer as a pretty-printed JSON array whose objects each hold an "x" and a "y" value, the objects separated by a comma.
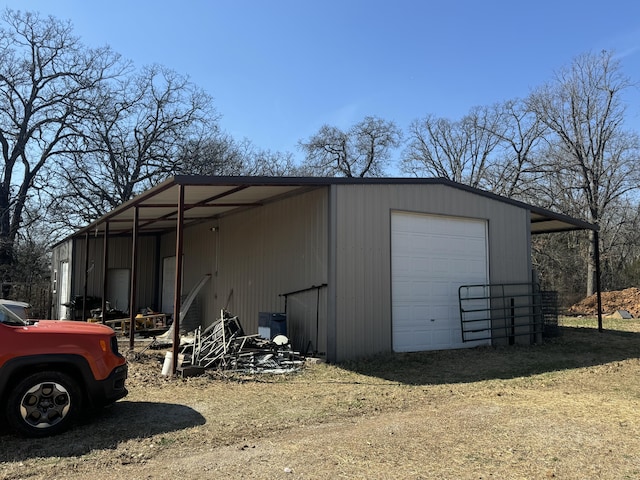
[{"x": 565, "y": 409}]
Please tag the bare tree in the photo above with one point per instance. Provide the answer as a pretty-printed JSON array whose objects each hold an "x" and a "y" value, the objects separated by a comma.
[
  {"x": 270, "y": 164},
  {"x": 133, "y": 137},
  {"x": 222, "y": 155},
  {"x": 620, "y": 244},
  {"x": 437, "y": 148},
  {"x": 460, "y": 151},
  {"x": 362, "y": 151},
  {"x": 627, "y": 268},
  {"x": 515, "y": 170},
  {"x": 592, "y": 154},
  {"x": 47, "y": 77},
  {"x": 558, "y": 260},
  {"x": 217, "y": 154}
]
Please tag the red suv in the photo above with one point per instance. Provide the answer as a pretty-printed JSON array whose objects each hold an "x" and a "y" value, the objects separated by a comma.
[{"x": 52, "y": 369}]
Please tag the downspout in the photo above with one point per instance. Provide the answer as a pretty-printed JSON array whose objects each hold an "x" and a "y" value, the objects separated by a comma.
[{"x": 178, "y": 279}]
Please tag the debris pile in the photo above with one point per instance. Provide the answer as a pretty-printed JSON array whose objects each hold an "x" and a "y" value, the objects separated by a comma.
[
  {"x": 224, "y": 346},
  {"x": 627, "y": 299}
]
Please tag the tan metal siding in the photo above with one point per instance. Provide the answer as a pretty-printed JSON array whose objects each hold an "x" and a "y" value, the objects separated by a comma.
[
  {"x": 362, "y": 272},
  {"x": 199, "y": 258},
  {"x": 147, "y": 273},
  {"x": 307, "y": 328},
  {"x": 363, "y": 275},
  {"x": 119, "y": 257},
  {"x": 94, "y": 267},
  {"x": 62, "y": 253},
  {"x": 269, "y": 251}
]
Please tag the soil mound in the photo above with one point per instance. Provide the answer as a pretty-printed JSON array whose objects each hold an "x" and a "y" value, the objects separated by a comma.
[{"x": 627, "y": 299}]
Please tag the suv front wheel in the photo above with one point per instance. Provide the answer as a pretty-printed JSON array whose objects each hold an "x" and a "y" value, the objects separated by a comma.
[{"x": 44, "y": 403}]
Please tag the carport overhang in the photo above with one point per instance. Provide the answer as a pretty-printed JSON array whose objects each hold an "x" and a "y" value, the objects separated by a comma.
[
  {"x": 182, "y": 201},
  {"x": 207, "y": 198}
]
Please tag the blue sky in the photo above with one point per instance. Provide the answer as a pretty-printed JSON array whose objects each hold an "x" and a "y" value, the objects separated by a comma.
[{"x": 280, "y": 69}]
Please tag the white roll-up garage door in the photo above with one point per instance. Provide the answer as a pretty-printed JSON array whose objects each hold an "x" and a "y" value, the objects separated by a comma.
[{"x": 431, "y": 256}]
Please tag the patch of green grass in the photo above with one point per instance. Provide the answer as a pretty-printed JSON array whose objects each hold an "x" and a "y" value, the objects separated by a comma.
[{"x": 608, "y": 323}]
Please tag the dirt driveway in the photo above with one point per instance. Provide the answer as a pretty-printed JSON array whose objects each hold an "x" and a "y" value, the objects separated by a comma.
[{"x": 566, "y": 409}]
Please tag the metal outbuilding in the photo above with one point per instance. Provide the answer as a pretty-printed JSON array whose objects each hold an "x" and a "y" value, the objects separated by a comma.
[{"x": 359, "y": 266}]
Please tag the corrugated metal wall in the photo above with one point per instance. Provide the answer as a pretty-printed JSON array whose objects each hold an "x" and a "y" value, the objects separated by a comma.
[
  {"x": 363, "y": 248},
  {"x": 257, "y": 256},
  {"x": 62, "y": 253},
  {"x": 199, "y": 260},
  {"x": 120, "y": 258}
]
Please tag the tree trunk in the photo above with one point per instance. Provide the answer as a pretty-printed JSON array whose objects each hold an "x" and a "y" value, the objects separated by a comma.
[
  {"x": 6, "y": 243},
  {"x": 6, "y": 263}
]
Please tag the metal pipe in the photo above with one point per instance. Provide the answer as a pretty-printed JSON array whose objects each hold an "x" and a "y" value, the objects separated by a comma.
[
  {"x": 105, "y": 264},
  {"x": 596, "y": 240},
  {"x": 134, "y": 279},
  {"x": 86, "y": 275},
  {"x": 178, "y": 278}
]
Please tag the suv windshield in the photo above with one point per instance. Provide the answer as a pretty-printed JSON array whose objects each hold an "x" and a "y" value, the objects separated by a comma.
[{"x": 10, "y": 318}]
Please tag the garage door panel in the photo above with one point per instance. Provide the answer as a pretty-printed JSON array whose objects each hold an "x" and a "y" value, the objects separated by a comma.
[
  {"x": 440, "y": 268},
  {"x": 457, "y": 244},
  {"x": 431, "y": 257},
  {"x": 404, "y": 264},
  {"x": 419, "y": 290},
  {"x": 404, "y": 293},
  {"x": 440, "y": 313},
  {"x": 441, "y": 339},
  {"x": 421, "y": 265},
  {"x": 441, "y": 290},
  {"x": 457, "y": 267},
  {"x": 403, "y": 314},
  {"x": 476, "y": 269}
]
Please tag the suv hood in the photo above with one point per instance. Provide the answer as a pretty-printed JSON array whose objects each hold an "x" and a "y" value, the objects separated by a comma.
[{"x": 66, "y": 326}]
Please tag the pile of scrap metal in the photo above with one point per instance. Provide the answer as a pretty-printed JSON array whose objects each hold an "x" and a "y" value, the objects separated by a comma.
[{"x": 224, "y": 346}]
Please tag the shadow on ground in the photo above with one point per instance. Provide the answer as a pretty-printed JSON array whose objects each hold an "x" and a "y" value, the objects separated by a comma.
[
  {"x": 572, "y": 348},
  {"x": 103, "y": 429}
]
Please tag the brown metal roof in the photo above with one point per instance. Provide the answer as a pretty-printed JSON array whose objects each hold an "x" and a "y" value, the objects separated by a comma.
[{"x": 207, "y": 198}]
